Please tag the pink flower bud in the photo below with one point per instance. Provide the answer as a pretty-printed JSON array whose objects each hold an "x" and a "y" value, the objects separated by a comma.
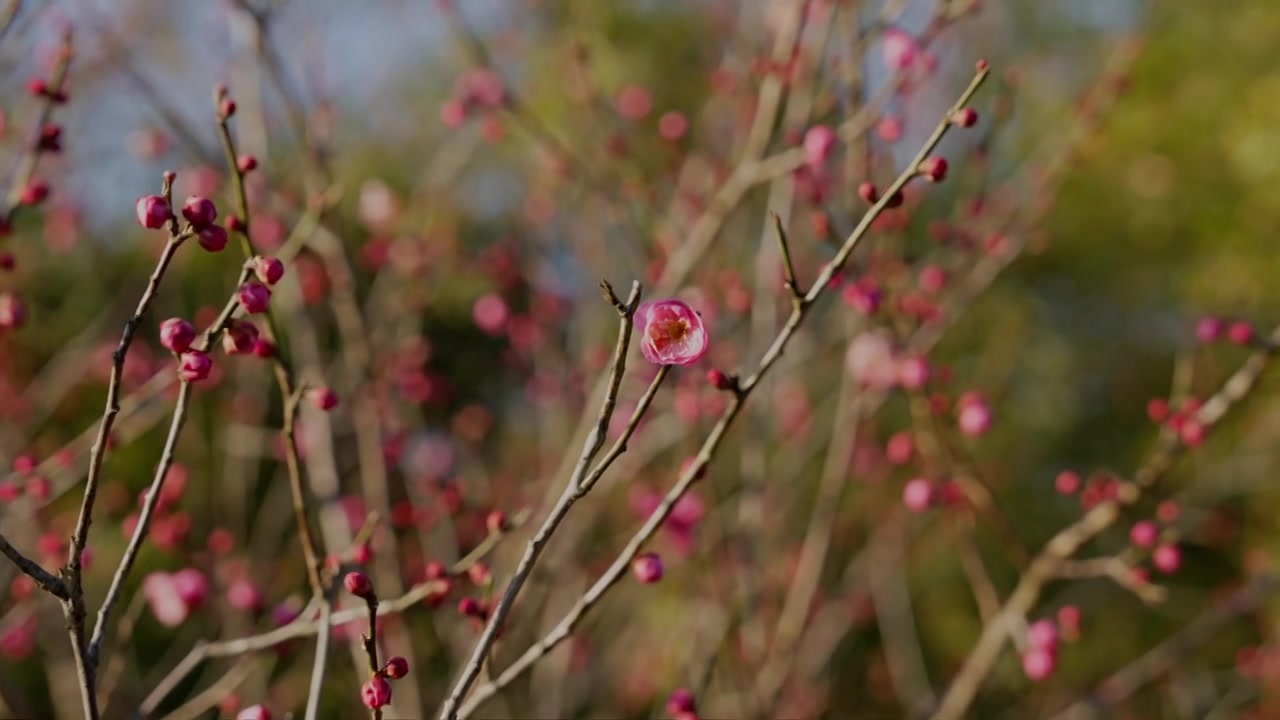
[
  {"x": 1069, "y": 622},
  {"x": 268, "y": 270},
  {"x": 633, "y": 102},
  {"x": 264, "y": 348},
  {"x": 934, "y": 169},
  {"x": 244, "y": 595},
  {"x": 13, "y": 314},
  {"x": 1043, "y": 634},
  {"x": 647, "y": 568},
  {"x": 1067, "y": 483},
  {"x": 1038, "y": 663},
  {"x": 1144, "y": 534},
  {"x": 176, "y": 335},
  {"x": 1168, "y": 512},
  {"x": 900, "y": 449},
  {"x": 235, "y": 224},
  {"x": 322, "y": 398},
  {"x": 470, "y": 607},
  {"x": 868, "y": 192},
  {"x": 199, "y": 211},
  {"x": 212, "y": 238},
  {"x": 1240, "y": 333},
  {"x": 491, "y": 314},
  {"x": 918, "y": 494},
  {"x": 974, "y": 417},
  {"x": 898, "y": 49},
  {"x": 246, "y": 163},
  {"x": 1167, "y": 559},
  {"x": 818, "y": 143},
  {"x": 192, "y": 587},
  {"x": 253, "y": 297},
  {"x": 254, "y": 712},
  {"x": 34, "y": 193},
  {"x": 194, "y": 366},
  {"x": 965, "y": 118},
  {"x": 50, "y": 139},
  {"x": 672, "y": 126},
  {"x": 719, "y": 380},
  {"x": 227, "y": 108},
  {"x": 152, "y": 212},
  {"x": 1210, "y": 329},
  {"x": 396, "y": 668},
  {"x": 240, "y": 338},
  {"x": 376, "y": 692},
  {"x": 889, "y": 128},
  {"x": 932, "y": 279},
  {"x": 680, "y": 701},
  {"x": 163, "y": 599},
  {"x": 357, "y": 583},
  {"x": 913, "y": 372},
  {"x": 453, "y": 112},
  {"x": 671, "y": 332}
]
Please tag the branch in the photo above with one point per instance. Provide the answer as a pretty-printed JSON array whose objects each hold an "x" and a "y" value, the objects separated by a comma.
[
  {"x": 49, "y": 582},
  {"x": 699, "y": 465},
  {"x": 1125, "y": 682},
  {"x": 574, "y": 490},
  {"x": 303, "y": 627},
  {"x": 986, "y": 651}
]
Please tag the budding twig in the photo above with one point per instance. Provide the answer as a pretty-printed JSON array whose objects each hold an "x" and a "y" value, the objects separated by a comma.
[
  {"x": 305, "y": 626},
  {"x": 574, "y": 489},
  {"x": 985, "y": 653},
  {"x": 712, "y": 443}
]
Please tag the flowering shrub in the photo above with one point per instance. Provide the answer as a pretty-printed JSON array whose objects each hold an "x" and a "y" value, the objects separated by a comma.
[{"x": 841, "y": 440}]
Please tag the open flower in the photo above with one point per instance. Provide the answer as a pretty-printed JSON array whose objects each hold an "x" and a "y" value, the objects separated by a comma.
[{"x": 671, "y": 332}]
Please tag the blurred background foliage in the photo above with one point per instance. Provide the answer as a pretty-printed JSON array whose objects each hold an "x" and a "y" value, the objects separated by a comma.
[{"x": 1166, "y": 212}]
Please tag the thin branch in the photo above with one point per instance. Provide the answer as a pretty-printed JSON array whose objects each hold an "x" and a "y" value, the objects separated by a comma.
[
  {"x": 305, "y": 627},
  {"x": 574, "y": 489},
  {"x": 183, "y": 404},
  {"x": 47, "y": 581},
  {"x": 1118, "y": 569},
  {"x": 796, "y": 293},
  {"x": 712, "y": 443},
  {"x": 985, "y": 653},
  {"x": 1122, "y": 684},
  {"x": 53, "y": 95}
]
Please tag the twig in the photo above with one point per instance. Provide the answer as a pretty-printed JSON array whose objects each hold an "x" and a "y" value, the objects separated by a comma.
[
  {"x": 1043, "y": 568},
  {"x": 47, "y": 581},
  {"x": 144, "y": 522},
  {"x": 370, "y": 642},
  {"x": 291, "y": 396},
  {"x": 73, "y": 572},
  {"x": 797, "y": 294},
  {"x": 53, "y": 95},
  {"x": 699, "y": 465},
  {"x": 1122, "y": 684},
  {"x": 574, "y": 489},
  {"x": 1116, "y": 568},
  {"x": 304, "y": 627},
  {"x": 215, "y": 693}
]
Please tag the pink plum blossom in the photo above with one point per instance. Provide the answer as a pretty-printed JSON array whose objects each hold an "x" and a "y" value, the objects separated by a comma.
[{"x": 671, "y": 332}]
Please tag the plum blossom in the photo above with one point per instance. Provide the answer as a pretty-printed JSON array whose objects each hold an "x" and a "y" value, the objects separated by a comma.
[{"x": 671, "y": 332}]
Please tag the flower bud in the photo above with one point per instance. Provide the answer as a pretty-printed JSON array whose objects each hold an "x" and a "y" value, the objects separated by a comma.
[
  {"x": 212, "y": 238},
  {"x": 199, "y": 211},
  {"x": 357, "y": 583},
  {"x": 194, "y": 366},
  {"x": 176, "y": 335},
  {"x": 253, "y": 297}
]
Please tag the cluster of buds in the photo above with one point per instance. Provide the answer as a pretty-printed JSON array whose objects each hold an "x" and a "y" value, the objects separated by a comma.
[
  {"x": 376, "y": 691},
  {"x": 1214, "y": 329}
]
